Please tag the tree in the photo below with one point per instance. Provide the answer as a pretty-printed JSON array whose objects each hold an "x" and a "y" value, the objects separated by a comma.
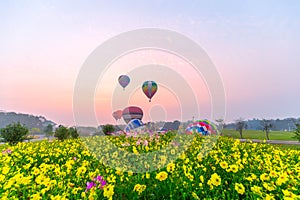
[
  {"x": 108, "y": 129},
  {"x": 240, "y": 126},
  {"x": 297, "y": 132},
  {"x": 73, "y": 132},
  {"x": 48, "y": 130},
  {"x": 35, "y": 131},
  {"x": 266, "y": 127},
  {"x": 62, "y": 133},
  {"x": 14, "y": 133},
  {"x": 221, "y": 123}
]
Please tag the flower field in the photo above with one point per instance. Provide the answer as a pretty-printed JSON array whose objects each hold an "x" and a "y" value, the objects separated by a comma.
[{"x": 106, "y": 168}]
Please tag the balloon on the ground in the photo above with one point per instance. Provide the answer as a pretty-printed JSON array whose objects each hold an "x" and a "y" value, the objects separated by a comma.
[
  {"x": 117, "y": 114},
  {"x": 133, "y": 125},
  {"x": 149, "y": 89},
  {"x": 124, "y": 80},
  {"x": 132, "y": 112},
  {"x": 203, "y": 127}
]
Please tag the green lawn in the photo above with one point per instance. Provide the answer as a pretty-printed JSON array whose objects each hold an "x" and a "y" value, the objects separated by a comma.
[{"x": 260, "y": 135}]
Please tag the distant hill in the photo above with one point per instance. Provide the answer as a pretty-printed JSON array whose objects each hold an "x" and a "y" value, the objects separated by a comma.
[
  {"x": 287, "y": 124},
  {"x": 30, "y": 121}
]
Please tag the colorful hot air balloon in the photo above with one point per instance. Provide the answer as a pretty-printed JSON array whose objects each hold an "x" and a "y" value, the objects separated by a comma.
[
  {"x": 117, "y": 114},
  {"x": 203, "y": 127},
  {"x": 134, "y": 125},
  {"x": 124, "y": 81},
  {"x": 149, "y": 89},
  {"x": 132, "y": 112}
]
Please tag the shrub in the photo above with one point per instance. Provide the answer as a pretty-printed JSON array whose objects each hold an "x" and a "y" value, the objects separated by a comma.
[
  {"x": 14, "y": 133},
  {"x": 73, "y": 132},
  {"x": 62, "y": 133},
  {"x": 108, "y": 129},
  {"x": 297, "y": 132}
]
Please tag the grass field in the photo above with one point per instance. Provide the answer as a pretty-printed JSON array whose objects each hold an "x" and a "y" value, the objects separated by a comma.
[{"x": 254, "y": 134}]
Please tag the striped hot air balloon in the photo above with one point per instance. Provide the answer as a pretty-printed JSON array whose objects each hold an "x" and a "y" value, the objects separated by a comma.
[
  {"x": 203, "y": 127},
  {"x": 132, "y": 112},
  {"x": 149, "y": 89}
]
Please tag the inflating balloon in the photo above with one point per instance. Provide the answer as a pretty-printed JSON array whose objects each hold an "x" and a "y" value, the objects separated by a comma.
[
  {"x": 117, "y": 114},
  {"x": 132, "y": 112},
  {"x": 133, "y": 125},
  {"x": 149, "y": 89},
  {"x": 124, "y": 81},
  {"x": 203, "y": 127}
]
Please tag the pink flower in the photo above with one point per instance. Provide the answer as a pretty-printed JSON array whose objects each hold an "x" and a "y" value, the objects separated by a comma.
[
  {"x": 89, "y": 185},
  {"x": 145, "y": 142}
]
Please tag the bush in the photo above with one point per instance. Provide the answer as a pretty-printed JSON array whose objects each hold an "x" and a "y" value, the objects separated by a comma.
[
  {"x": 73, "y": 132},
  {"x": 14, "y": 133},
  {"x": 48, "y": 130},
  {"x": 108, "y": 129},
  {"x": 63, "y": 133},
  {"x": 297, "y": 132}
]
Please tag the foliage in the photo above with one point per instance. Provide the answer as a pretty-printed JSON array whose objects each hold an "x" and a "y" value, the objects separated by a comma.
[
  {"x": 14, "y": 133},
  {"x": 73, "y": 132},
  {"x": 240, "y": 126},
  {"x": 297, "y": 132},
  {"x": 48, "y": 130},
  {"x": 63, "y": 132},
  {"x": 35, "y": 131},
  {"x": 266, "y": 127},
  {"x": 108, "y": 129},
  {"x": 69, "y": 169}
]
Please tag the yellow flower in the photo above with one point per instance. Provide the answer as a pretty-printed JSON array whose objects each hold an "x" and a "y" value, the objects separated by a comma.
[
  {"x": 108, "y": 191},
  {"x": 36, "y": 196},
  {"x": 171, "y": 167},
  {"x": 162, "y": 176},
  {"x": 282, "y": 179},
  {"x": 273, "y": 173},
  {"x": 2, "y": 178},
  {"x": 257, "y": 190},
  {"x": 195, "y": 196},
  {"x": 239, "y": 188},
  {"x": 224, "y": 164},
  {"x": 139, "y": 188},
  {"x": 202, "y": 179},
  {"x": 269, "y": 197},
  {"x": 147, "y": 175},
  {"x": 215, "y": 180},
  {"x": 269, "y": 187},
  {"x": 5, "y": 170},
  {"x": 264, "y": 177},
  {"x": 233, "y": 168}
]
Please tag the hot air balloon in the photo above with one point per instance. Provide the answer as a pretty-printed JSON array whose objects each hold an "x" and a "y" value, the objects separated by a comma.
[
  {"x": 133, "y": 125},
  {"x": 203, "y": 127},
  {"x": 149, "y": 89},
  {"x": 117, "y": 114},
  {"x": 124, "y": 81},
  {"x": 132, "y": 112}
]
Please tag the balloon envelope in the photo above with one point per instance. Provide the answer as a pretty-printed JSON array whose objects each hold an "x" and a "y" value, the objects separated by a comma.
[
  {"x": 132, "y": 112},
  {"x": 124, "y": 80},
  {"x": 133, "y": 124},
  {"x": 117, "y": 114},
  {"x": 203, "y": 127},
  {"x": 149, "y": 89}
]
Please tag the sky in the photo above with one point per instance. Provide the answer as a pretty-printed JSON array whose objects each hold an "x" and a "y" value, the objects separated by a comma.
[{"x": 254, "y": 45}]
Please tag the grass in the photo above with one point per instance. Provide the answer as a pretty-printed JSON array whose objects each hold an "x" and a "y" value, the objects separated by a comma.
[{"x": 260, "y": 135}]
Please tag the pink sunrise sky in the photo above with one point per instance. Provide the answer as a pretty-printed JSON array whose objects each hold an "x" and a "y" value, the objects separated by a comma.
[{"x": 253, "y": 45}]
